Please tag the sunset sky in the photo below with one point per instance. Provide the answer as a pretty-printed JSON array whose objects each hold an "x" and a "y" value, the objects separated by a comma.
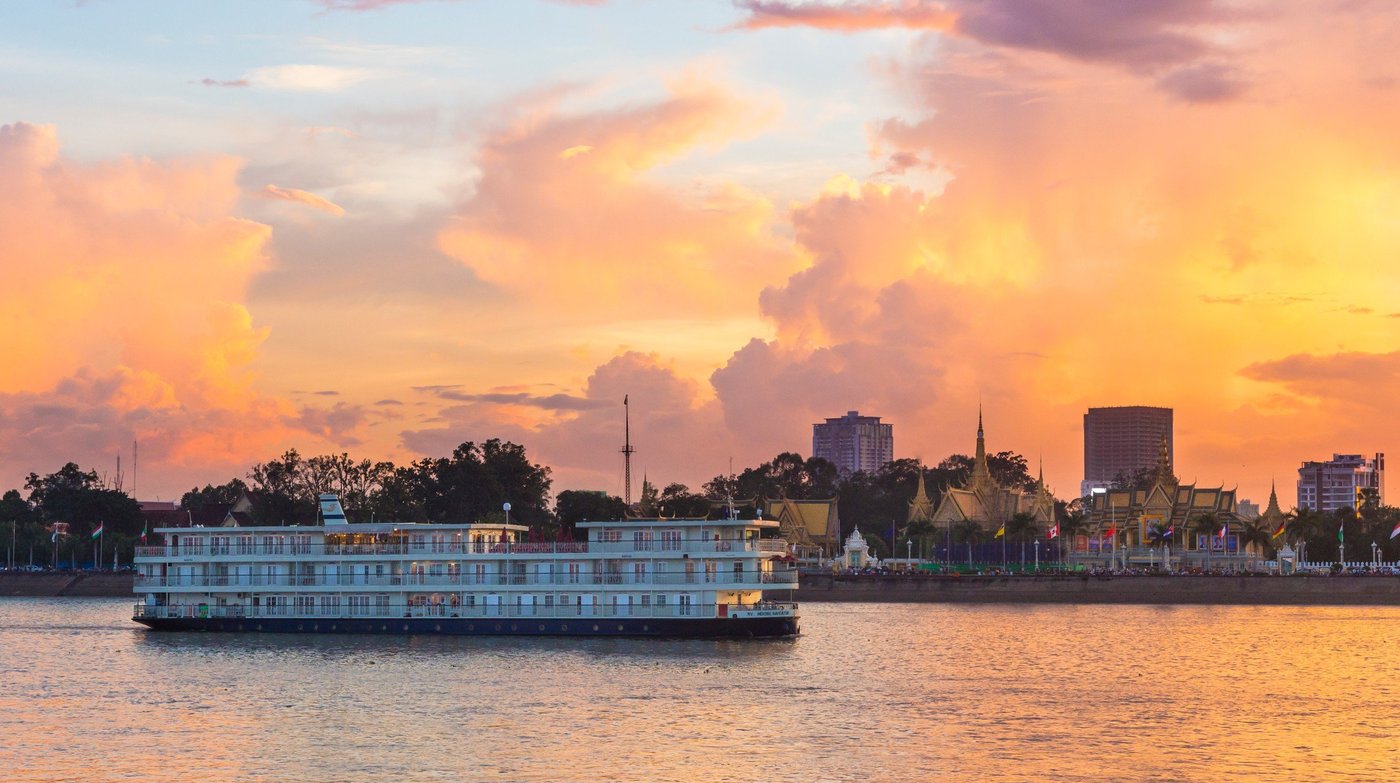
[{"x": 387, "y": 226}]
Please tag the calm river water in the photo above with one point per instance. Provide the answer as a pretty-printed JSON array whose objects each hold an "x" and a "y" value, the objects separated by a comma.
[{"x": 869, "y": 692}]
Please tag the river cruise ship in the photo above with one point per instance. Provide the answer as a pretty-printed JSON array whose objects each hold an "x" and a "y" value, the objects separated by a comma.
[{"x": 631, "y": 577}]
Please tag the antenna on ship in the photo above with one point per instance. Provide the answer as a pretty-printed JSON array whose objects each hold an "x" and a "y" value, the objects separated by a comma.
[{"x": 627, "y": 452}]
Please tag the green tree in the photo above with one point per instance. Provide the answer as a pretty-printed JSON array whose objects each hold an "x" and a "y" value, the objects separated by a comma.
[
  {"x": 1021, "y": 527},
  {"x": 210, "y": 495},
  {"x": 79, "y": 498},
  {"x": 20, "y": 526},
  {"x": 573, "y": 506},
  {"x": 676, "y": 500},
  {"x": 1256, "y": 535},
  {"x": 1073, "y": 523},
  {"x": 968, "y": 532},
  {"x": 1207, "y": 524},
  {"x": 786, "y": 475}
]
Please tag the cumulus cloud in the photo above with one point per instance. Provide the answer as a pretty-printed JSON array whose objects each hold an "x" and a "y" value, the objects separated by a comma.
[
  {"x": 1166, "y": 39},
  {"x": 676, "y": 428},
  {"x": 302, "y": 197},
  {"x": 589, "y": 231},
  {"x": 121, "y": 299}
]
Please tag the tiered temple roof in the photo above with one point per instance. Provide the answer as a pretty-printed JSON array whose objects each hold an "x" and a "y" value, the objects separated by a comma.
[{"x": 983, "y": 500}]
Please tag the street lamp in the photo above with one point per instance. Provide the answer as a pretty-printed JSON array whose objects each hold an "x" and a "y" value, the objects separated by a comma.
[
  {"x": 1375, "y": 556},
  {"x": 506, "y": 508},
  {"x": 1037, "y": 554},
  {"x": 909, "y": 549}
]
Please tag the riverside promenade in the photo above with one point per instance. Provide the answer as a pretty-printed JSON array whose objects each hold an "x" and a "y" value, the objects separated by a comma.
[
  {"x": 51, "y": 584},
  {"x": 1116, "y": 589},
  {"x": 895, "y": 588}
]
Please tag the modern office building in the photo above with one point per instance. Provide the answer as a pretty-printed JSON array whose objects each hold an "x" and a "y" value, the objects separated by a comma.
[
  {"x": 854, "y": 442},
  {"x": 1123, "y": 440},
  {"x": 1336, "y": 483}
]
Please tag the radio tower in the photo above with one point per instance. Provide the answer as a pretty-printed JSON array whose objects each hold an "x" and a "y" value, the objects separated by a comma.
[{"x": 627, "y": 451}]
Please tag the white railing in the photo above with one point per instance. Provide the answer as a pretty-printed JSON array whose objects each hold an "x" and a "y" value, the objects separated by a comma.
[
  {"x": 258, "y": 549},
  {"x": 240, "y": 581},
  {"x": 504, "y": 611}
]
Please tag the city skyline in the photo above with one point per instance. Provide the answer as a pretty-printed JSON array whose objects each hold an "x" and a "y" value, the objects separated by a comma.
[{"x": 389, "y": 227}]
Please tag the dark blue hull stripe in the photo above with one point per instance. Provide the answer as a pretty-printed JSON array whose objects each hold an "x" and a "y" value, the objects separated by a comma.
[{"x": 713, "y": 628}]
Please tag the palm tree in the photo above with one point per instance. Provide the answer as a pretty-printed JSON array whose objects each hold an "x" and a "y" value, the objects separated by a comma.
[
  {"x": 968, "y": 532},
  {"x": 1209, "y": 524},
  {"x": 1304, "y": 525},
  {"x": 1072, "y": 525},
  {"x": 919, "y": 532},
  {"x": 1021, "y": 526},
  {"x": 1157, "y": 535},
  {"x": 1257, "y": 536}
]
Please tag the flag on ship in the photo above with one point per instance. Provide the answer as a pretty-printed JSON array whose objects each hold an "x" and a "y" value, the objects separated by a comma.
[{"x": 98, "y": 531}]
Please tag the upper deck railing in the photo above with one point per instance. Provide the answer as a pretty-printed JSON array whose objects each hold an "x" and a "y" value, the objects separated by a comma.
[
  {"x": 507, "y": 611},
  {"x": 241, "y": 546},
  {"x": 432, "y": 581}
]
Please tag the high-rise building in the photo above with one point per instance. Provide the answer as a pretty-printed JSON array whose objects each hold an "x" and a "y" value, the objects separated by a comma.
[
  {"x": 854, "y": 442},
  {"x": 1123, "y": 440},
  {"x": 1339, "y": 482}
]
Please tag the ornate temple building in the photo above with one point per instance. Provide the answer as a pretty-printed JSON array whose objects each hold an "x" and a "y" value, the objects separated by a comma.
[
  {"x": 812, "y": 527},
  {"x": 920, "y": 508},
  {"x": 1132, "y": 513},
  {"x": 985, "y": 501}
]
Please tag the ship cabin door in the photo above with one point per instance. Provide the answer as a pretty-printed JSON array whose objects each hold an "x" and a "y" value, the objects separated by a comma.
[{"x": 493, "y": 605}]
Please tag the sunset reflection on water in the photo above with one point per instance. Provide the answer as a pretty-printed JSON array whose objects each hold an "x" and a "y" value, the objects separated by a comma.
[{"x": 869, "y": 692}]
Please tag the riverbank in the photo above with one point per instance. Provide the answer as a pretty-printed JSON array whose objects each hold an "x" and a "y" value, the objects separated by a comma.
[
  {"x": 52, "y": 584},
  {"x": 1262, "y": 590}
]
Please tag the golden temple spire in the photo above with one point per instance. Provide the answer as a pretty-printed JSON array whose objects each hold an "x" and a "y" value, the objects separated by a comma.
[{"x": 981, "y": 474}]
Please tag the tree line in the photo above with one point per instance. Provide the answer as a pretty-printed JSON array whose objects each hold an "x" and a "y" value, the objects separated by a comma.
[
  {"x": 475, "y": 481},
  {"x": 471, "y": 484}
]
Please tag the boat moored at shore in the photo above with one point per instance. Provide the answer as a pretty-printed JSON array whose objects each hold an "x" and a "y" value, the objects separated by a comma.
[{"x": 633, "y": 577}]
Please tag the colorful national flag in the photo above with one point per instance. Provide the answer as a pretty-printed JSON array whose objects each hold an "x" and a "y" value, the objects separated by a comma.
[
  {"x": 97, "y": 532},
  {"x": 1223, "y": 530},
  {"x": 1112, "y": 529},
  {"x": 1341, "y": 534},
  {"x": 1055, "y": 531},
  {"x": 1396, "y": 531},
  {"x": 147, "y": 524},
  {"x": 1001, "y": 531},
  {"x": 1284, "y": 526},
  {"x": 1170, "y": 529}
]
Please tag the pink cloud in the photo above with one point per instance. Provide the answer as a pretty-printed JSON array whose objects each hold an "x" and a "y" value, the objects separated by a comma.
[
  {"x": 302, "y": 197},
  {"x": 848, "y": 17},
  {"x": 1163, "y": 39},
  {"x": 122, "y": 306}
]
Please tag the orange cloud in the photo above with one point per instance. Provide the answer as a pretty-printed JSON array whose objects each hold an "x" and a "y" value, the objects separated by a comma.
[
  {"x": 302, "y": 197},
  {"x": 122, "y": 301},
  {"x": 850, "y": 17},
  {"x": 587, "y": 232}
]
